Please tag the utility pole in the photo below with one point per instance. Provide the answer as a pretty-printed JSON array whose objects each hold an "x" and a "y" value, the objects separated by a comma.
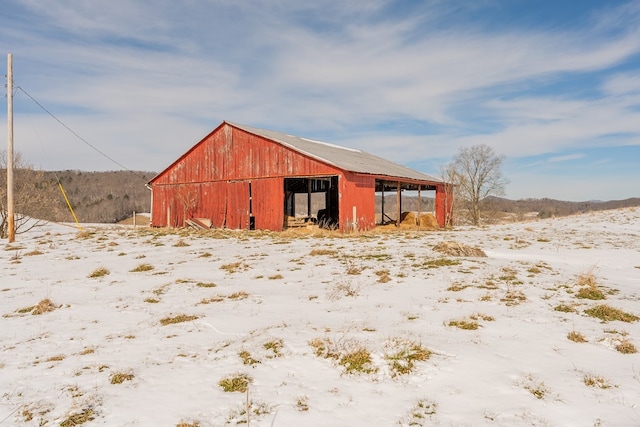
[{"x": 11, "y": 225}]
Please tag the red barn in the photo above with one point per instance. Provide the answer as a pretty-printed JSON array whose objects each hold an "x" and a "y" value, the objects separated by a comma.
[{"x": 242, "y": 177}]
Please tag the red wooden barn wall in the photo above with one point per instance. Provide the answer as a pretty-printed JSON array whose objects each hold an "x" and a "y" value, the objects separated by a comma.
[{"x": 218, "y": 172}]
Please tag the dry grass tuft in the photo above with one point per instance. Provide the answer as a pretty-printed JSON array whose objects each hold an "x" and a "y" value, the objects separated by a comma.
[
  {"x": 576, "y": 336},
  {"x": 626, "y": 347},
  {"x": 142, "y": 267},
  {"x": 44, "y": 306},
  {"x": 458, "y": 249},
  {"x": 235, "y": 383},
  {"x": 177, "y": 319},
  {"x": 120, "y": 377},
  {"x": 565, "y": 308},
  {"x": 607, "y": 313},
  {"x": 99, "y": 272},
  {"x": 79, "y": 418},
  {"x": 318, "y": 252},
  {"x": 597, "y": 381},
  {"x": 466, "y": 324},
  {"x": 403, "y": 354}
]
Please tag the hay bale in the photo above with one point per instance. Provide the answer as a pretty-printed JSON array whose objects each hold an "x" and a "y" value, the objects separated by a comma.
[
  {"x": 408, "y": 218},
  {"x": 428, "y": 221},
  {"x": 458, "y": 249}
]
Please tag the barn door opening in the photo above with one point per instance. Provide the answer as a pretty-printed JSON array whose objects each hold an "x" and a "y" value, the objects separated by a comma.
[{"x": 310, "y": 201}]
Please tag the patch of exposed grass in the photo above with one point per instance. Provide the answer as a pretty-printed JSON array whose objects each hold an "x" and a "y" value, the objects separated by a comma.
[
  {"x": 120, "y": 377},
  {"x": 99, "y": 272},
  {"x": 34, "y": 252},
  {"x": 466, "y": 324},
  {"x": 597, "y": 381},
  {"x": 206, "y": 285},
  {"x": 576, "y": 336},
  {"x": 420, "y": 414},
  {"x": 177, "y": 319},
  {"x": 513, "y": 297},
  {"x": 357, "y": 360},
  {"x": 402, "y": 355},
  {"x": 211, "y": 300},
  {"x": 383, "y": 276},
  {"x": 302, "y": 403},
  {"x": 457, "y": 287},
  {"x": 188, "y": 424},
  {"x": 181, "y": 244},
  {"x": 437, "y": 263},
  {"x": 240, "y": 295},
  {"x": 152, "y": 300},
  {"x": 625, "y": 346},
  {"x": 234, "y": 267},
  {"x": 607, "y": 313},
  {"x": 235, "y": 383},
  {"x": 247, "y": 359},
  {"x": 275, "y": 346},
  {"x": 276, "y": 277},
  {"x": 565, "y": 308},
  {"x": 142, "y": 267},
  {"x": 319, "y": 252},
  {"x": 77, "y": 419},
  {"x": 352, "y": 356},
  {"x": 44, "y": 306}
]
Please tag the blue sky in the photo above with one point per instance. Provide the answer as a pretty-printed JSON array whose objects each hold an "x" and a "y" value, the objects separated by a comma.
[{"x": 554, "y": 86}]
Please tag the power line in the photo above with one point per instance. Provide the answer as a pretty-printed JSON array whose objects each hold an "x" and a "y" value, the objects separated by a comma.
[{"x": 78, "y": 136}]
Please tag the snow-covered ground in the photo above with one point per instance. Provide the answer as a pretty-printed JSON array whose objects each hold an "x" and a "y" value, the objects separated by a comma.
[{"x": 288, "y": 310}]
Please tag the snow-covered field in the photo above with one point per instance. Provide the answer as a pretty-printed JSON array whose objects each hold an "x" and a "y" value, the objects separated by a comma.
[{"x": 360, "y": 330}]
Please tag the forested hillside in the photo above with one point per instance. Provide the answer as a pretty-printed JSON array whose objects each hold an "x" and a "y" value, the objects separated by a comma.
[{"x": 95, "y": 196}]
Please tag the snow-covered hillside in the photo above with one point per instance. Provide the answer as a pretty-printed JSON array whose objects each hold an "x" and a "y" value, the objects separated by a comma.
[{"x": 145, "y": 327}]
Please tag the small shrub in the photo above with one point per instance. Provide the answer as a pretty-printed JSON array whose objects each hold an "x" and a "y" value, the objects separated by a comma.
[
  {"x": 120, "y": 377},
  {"x": 142, "y": 267},
  {"x": 177, "y": 319},
  {"x": 607, "y": 313},
  {"x": 235, "y": 383},
  {"x": 99, "y": 272}
]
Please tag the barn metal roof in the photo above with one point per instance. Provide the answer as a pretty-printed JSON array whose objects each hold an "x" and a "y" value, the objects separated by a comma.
[{"x": 344, "y": 158}]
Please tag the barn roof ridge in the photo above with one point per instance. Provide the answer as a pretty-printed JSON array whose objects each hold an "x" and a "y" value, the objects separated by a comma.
[{"x": 350, "y": 159}]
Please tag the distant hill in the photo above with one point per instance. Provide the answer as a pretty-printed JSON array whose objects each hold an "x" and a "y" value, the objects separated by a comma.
[
  {"x": 103, "y": 197},
  {"x": 110, "y": 197}
]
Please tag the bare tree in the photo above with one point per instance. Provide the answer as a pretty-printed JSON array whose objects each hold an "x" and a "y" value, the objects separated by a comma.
[
  {"x": 478, "y": 174},
  {"x": 32, "y": 195}
]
